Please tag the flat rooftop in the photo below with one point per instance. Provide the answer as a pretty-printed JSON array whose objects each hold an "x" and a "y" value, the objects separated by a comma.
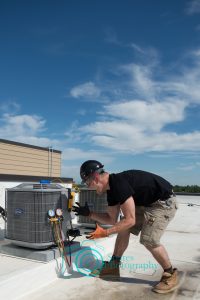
[{"x": 28, "y": 279}]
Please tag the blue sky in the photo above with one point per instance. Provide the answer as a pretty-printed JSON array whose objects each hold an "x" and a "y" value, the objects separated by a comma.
[{"x": 116, "y": 81}]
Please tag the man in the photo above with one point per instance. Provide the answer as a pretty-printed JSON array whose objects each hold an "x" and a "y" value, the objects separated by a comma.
[{"x": 147, "y": 203}]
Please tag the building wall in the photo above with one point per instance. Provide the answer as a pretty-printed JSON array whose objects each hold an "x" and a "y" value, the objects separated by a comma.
[{"x": 23, "y": 159}]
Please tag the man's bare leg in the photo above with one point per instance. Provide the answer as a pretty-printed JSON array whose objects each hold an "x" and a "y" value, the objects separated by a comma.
[
  {"x": 169, "y": 280},
  {"x": 111, "y": 269},
  {"x": 121, "y": 243},
  {"x": 161, "y": 256}
]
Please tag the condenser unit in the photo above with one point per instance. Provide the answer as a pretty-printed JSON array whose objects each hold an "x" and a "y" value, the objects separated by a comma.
[
  {"x": 27, "y": 206},
  {"x": 96, "y": 203}
]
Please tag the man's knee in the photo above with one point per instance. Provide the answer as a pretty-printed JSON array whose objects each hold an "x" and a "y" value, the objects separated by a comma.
[
  {"x": 124, "y": 233},
  {"x": 149, "y": 242}
]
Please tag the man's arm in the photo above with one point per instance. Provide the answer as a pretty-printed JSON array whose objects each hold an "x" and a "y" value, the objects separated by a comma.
[
  {"x": 107, "y": 218},
  {"x": 128, "y": 210}
]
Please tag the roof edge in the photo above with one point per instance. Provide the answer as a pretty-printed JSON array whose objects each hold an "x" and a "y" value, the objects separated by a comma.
[
  {"x": 29, "y": 178},
  {"x": 29, "y": 146}
]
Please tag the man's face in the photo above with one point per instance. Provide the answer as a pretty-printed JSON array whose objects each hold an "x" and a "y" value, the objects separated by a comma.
[
  {"x": 94, "y": 182},
  {"x": 89, "y": 181}
]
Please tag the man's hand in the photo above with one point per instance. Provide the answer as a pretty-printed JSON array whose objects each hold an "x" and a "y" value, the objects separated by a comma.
[
  {"x": 81, "y": 210},
  {"x": 3, "y": 213},
  {"x": 98, "y": 233}
]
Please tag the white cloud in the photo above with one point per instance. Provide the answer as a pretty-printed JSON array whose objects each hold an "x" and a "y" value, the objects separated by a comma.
[
  {"x": 141, "y": 80},
  {"x": 148, "y": 115},
  {"x": 193, "y": 7},
  {"x": 139, "y": 125},
  {"x": 72, "y": 153},
  {"x": 88, "y": 90},
  {"x": 187, "y": 85},
  {"x": 72, "y": 158},
  {"x": 133, "y": 124},
  {"x": 28, "y": 123},
  {"x": 183, "y": 87},
  {"x": 21, "y": 124},
  {"x": 25, "y": 129},
  {"x": 125, "y": 137},
  {"x": 39, "y": 141}
]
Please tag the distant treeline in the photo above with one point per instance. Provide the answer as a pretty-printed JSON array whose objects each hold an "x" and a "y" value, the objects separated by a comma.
[{"x": 186, "y": 188}]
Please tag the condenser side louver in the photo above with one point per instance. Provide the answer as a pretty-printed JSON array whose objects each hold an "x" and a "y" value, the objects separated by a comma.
[
  {"x": 27, "y": 206},
  {"x": 97, "y": 203}
]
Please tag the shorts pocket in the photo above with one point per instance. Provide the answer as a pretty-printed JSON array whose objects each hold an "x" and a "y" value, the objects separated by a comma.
[{"x": 153, "y": 228}]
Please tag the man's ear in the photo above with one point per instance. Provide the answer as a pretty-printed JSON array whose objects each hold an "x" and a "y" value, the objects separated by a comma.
[{"x": 96, "y": 177}]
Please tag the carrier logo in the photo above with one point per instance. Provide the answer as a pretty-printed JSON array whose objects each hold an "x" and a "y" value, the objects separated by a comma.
[{"x": 18, "y": 212}]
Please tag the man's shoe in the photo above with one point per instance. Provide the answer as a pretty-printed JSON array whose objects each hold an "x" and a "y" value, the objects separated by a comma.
[
  {"x": 168, "y": 283},
  {"x": 96, "y": 272},
  {"x": 110, "y": 270}
]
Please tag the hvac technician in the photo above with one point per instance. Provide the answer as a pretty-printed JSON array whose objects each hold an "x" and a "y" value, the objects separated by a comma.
[{"x": 147, "y": 203}]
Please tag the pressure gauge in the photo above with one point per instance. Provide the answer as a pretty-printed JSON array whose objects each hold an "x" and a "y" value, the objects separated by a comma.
[
  {"x": 51, "y": 213},
  {"x": 59, "y": 212}
]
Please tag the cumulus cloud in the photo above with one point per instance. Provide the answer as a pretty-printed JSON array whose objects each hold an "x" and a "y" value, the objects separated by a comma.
[
  {"x": 26, "y": 129},
  {"x": 22, "y": 124},
  {"x": 148, "y": 115},
  {"x": 88, "y": 90},
  {"x": 125, "y": 137},
  {"x": 136, "y": 123},
  {"x": 139, "y": 124}
]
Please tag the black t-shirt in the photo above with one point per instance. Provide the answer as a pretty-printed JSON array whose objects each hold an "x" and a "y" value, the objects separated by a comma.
[{"x": 144, "y": 187}]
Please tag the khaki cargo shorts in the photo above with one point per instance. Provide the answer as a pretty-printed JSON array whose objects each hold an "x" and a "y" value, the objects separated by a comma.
[{"x": 152, "y": 221}]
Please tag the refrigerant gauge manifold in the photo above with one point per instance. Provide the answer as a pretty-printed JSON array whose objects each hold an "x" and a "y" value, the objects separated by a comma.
[
  {"x": 51, "y": 213},
  {"x": 59, "y": 212}
]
